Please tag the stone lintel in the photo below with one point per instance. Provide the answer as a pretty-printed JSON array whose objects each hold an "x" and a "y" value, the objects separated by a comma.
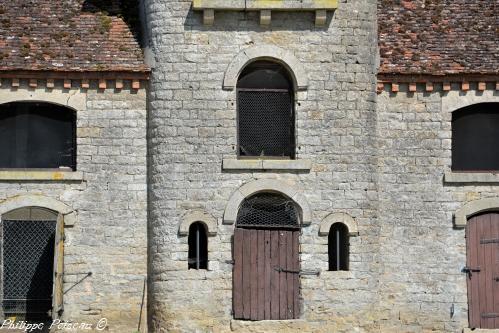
[
  {"x": 471, "y": 177},
  {"x": 306, "y": 5},
  {"x": 265, "y": 7},
  {"x": 29, "y": 175},
  {"x": 257, "y": 164}
]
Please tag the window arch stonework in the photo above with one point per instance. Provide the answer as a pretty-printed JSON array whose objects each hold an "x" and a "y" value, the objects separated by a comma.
[
  {"x": 265, "y": 52},
  {"x": 266, "y": 185}
]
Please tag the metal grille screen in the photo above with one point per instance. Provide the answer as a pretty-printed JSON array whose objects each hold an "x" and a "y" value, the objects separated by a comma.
[
  {"x": 266, "y": 125},
  {"x": 28, "y": 266},
  {"x": 268, "y": 210}
]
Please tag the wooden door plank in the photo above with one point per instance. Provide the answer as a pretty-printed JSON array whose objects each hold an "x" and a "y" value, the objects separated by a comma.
[
  {"x": 254, "y": 273},
  {"x": 246, "y": 274},
  {"x": 261, "y": 275},
  {"x": 474, "y": 306},
  {"x": 274, "y": 281},
  {"x": 237, "y": 298},
  {"x": 482, "y": 231},
  {"x": 481, "y": 227},
  {"x": 495, "y": 265},
  {"x": 296, "y": 277},
  {"x": 290, "y": 277},
  {"x": 268, "y": 267},
  {"x": 283, "y": 295},
  {"x": 489, "y": 305},
  {"x": 470, "y": 260}
]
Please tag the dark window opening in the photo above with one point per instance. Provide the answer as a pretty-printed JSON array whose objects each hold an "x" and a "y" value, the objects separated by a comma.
[
  {"x": 37, "y": 135},
  {"x": 266, "y": 119},
  {"x": 475, "y": 138},
  {"x": 28, "y": 236},
  {"x": 338, "y": 247},
  {"x": 198, "y": 246},
  {"x": 268, "y": 210}
]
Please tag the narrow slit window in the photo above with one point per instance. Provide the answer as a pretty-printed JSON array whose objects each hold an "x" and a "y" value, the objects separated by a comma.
[
  {"x": 198, "y": 246},
  {"x": 338, "y": 247}
]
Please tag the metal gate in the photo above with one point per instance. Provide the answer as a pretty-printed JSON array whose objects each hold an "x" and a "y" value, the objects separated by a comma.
[{"x": 28, "y": 266}]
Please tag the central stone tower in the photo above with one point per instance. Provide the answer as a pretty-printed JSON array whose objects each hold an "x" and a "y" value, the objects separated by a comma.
[{"x": 261, "y": 138}]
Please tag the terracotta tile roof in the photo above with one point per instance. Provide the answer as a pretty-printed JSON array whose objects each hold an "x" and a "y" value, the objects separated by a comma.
[
  {"x": 439, "y": 37},
  {"x": 69, "y": 35}
]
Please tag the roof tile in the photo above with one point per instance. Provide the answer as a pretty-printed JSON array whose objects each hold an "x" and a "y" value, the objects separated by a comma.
[
  {"x": 69, "y": 35},
  {"x": 438, "y": 37}
]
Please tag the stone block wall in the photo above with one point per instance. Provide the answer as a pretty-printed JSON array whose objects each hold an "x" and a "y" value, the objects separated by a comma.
[
  {"x": 421, "y": 251},
  {"x": 108, "y": 196},
  {"x": 192, "y": 128}
]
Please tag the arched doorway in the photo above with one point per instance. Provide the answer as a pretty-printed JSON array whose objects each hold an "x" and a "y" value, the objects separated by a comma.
[
  {"x": 266, "y": 258},
  {"x": 31, "y": 258}
]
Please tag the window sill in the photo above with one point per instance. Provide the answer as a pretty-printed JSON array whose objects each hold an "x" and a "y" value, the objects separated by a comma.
[
  {"x": 291, "y": 165},
  {"x": 259, "y": 4},
  {"x": 29, "y": 175},
  {"x": 471, "y": 177}
]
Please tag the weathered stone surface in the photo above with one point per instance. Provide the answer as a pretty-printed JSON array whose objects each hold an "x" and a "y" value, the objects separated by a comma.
[
  {"x": 105, "y": 202},
  {"x": 193, "y": 129}
]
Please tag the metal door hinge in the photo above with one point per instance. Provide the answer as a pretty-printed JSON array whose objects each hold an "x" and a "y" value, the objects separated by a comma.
[
  {"x": 470, "y": 270},
  {"x": 299, "y": 272}
]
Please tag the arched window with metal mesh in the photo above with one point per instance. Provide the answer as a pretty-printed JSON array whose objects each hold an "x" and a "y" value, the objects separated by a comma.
[
  {"x": 198, "y": 246},
  {"x": 268, "y": 210},
  {"x": 266, "y": 120},
  {"x": 338, "y": 247}
]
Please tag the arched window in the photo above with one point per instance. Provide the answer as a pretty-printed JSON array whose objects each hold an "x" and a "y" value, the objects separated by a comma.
[
  {"x": 198, "y": 246},
  {"x": 475, "y": 138},
  {"x": 338, "y": 247},
  {"x": 37, "y": 135},
  {"x": 266, "y": 119}
]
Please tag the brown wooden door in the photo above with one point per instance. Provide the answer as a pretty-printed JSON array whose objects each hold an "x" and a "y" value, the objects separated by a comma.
[
  {"x": 265, "y": 277},
  {"x": 483, "y": 270}
]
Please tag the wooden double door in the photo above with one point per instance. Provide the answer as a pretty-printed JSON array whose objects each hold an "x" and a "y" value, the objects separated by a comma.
[
  {"x": 483, "y": 270},
  {"x": 266, "y": 274}
]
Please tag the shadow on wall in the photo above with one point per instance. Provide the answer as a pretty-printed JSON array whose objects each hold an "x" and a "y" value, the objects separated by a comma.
[{"x": 128, "y": 10}]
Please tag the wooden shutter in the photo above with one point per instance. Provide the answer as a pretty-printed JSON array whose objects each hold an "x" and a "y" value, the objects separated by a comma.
[
  {"x": 266, "y": 274},
  {"x": 57, "y": 300}
]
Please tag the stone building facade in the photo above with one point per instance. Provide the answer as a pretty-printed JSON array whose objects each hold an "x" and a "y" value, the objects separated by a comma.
[
  {"x": 194, "y": 168},
  {"x": 78, "y": 58},
  {"x": 380, "y": 215},
  {"x": 377, "y": 159}
]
